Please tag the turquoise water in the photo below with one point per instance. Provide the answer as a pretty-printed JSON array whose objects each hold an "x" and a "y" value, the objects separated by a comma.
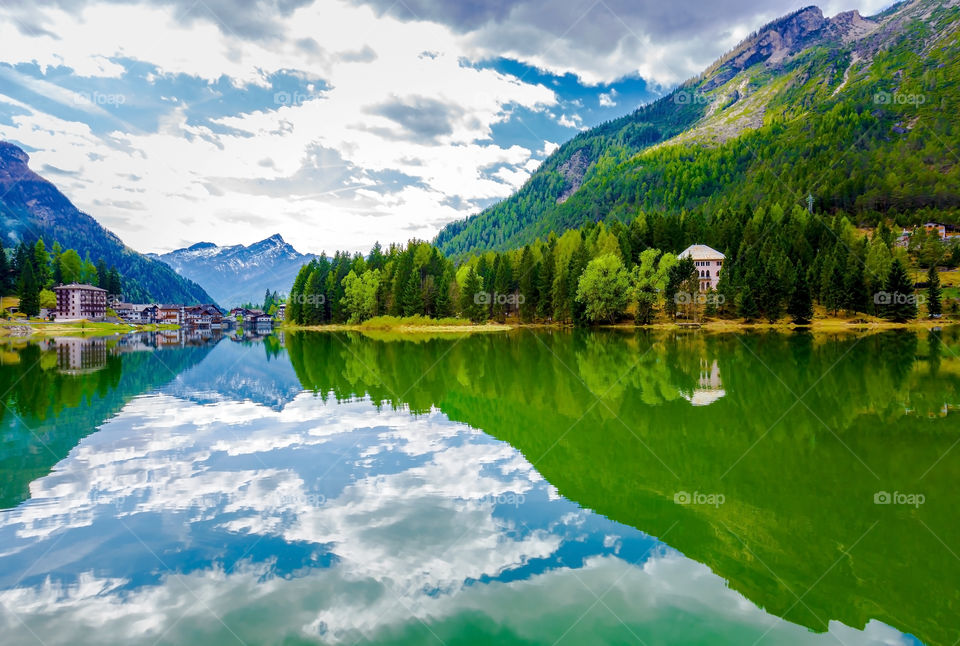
[{"x": 520, "y": 488}]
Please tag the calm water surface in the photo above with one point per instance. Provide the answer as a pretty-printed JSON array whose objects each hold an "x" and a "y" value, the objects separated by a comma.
[{"x": 516, "y": 488}]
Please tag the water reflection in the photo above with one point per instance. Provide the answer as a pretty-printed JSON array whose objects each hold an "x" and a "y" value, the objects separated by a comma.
[
  {"x": 225, "y": 502},
  {"x": 709, "y": 385}
]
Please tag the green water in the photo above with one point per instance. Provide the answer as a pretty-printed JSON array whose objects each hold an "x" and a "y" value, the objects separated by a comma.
[{"x": 525, "y": 487}]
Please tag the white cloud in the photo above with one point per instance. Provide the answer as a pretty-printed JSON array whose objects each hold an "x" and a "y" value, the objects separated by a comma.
[
  {"x": 204, "y": 184},
  {"x": 570, "y": 121},
  {"x": 416, "y": 541},
  {"x": 408, "y": 117}
]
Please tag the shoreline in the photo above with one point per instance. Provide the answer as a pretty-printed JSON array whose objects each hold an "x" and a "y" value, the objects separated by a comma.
[
  {"x": 713, "y": 325},
  {"x": 44, "y": 329}
]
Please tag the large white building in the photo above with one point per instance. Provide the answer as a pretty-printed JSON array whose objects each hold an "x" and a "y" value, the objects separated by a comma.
[
  {"x": 81, "y": 302},
  {"x": 708, "y": 261}
]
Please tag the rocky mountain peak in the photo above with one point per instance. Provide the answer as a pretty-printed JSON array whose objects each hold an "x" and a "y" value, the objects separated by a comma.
[
  {"x": 779, "y": 38},
  {"x": 11, "y": 153},
  {"x": 13, "y": 165},
  {"x": 776, "y": 41}
]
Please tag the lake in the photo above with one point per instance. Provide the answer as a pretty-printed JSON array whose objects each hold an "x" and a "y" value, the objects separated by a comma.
[{"x": 527, "y": 487}]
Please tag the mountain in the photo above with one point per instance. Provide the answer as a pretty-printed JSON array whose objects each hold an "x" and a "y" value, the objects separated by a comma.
[
  {"x": 239, "y": 274},
  {"x": 859, "y": 112},
  {"x": 31, "y": 208}
]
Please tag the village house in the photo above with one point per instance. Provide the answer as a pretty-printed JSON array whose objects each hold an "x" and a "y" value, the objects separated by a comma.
[
  {"x": 76, "y": 301},
  {"x": 939, "y": 229},
  {"x": 202, "y": 317},
  {"x": 215, "y": 316},
  {"x": 257, "y": 318},
  {"x": 137, "y": 313},
  {"x": 170, "y": 314},
  {"x": 708, "y": 261},
  {"x": 281, "y": 312}
]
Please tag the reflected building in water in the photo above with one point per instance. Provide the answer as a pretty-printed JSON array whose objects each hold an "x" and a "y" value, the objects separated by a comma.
[
  {"x": 78, "y": 356},
  {"x": 709, "y": 384}
]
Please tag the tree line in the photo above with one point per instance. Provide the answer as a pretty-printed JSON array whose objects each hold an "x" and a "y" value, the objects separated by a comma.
[
  {"x": 31, "y": 272},
  {"x": 778, "y": 263}
]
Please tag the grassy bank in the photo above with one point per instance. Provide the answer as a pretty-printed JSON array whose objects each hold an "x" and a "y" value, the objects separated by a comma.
[
  {"x": 419, "y": 325},
  {"x": 36, "y": 328},
  {"x": 407, "y": 325}
]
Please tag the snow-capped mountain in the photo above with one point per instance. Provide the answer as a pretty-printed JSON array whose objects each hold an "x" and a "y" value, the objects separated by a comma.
[{"x": 238, "y": 274}]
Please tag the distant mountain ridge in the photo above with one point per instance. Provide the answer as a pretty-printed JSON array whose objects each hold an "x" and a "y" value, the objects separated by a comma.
[
  {"x": 238, "y": 274},
  {"x": 32, "y": 207},
  {"x": 858, "y": 111}
]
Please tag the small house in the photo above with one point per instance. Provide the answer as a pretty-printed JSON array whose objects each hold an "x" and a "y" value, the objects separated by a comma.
[{"x": 708, "y": 262}]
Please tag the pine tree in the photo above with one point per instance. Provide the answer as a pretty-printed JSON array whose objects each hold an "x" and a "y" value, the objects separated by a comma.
[
  {"x": 527, "y": 285},
  {"x": 377, "y": 259},
  {"x": 800, "y": 307},
  {"x": 682, "y": 285},
  {"x": 6, "y": 285},
  {"x": 856, "y": 296},
  {"x": 20, "y": 257},
  {"x": 41, "y": 263},
  {"x": 502, "y": 287},
  {"x": 412, "y": 295},
  {"x": 900, "y": 304},
  {"x": 561, "y": 306},
  {"x": 57, "y": 267},
  {"x": 401, "y": 277},
  {"x": 834, "y": 283},
  {"x": 545, "y": 285},
  {"x": 934, "y": 304},
  {"x": 103, "y": 277},
  {"x": 311, "y": 311},
  {"x": 746, "y": 305},
  {"x": 115, "y": 283},
  {"x": 578, "y": 262},
  {"x": 298, "y": 293},
  {"x": 470, "y": 302},
  {"x": 884, "y": 233},
  {"x": 441, "y": 301},
  {"x": 771, "y": 296},
  {"x": 29, "y": 290}
]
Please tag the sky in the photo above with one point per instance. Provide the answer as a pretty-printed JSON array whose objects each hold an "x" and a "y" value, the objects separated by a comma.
[{"x": 335, "y": 123}]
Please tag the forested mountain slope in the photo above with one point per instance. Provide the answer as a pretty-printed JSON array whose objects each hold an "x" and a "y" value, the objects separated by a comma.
[{"x": 859, "y": 112}]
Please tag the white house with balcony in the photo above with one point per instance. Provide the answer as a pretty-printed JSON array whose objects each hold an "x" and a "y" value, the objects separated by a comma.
[{"x": 708, "y": 262}]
